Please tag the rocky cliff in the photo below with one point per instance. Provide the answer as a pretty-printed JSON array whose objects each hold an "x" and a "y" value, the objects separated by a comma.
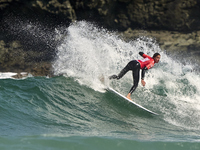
[{"x": 174, "y": 23}]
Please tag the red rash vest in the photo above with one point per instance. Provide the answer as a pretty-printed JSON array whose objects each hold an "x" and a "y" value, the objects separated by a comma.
[{"x": 146, "y": 62}]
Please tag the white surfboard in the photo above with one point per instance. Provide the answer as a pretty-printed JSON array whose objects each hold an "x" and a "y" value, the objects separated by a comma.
[{"x": 132, "y": 101}]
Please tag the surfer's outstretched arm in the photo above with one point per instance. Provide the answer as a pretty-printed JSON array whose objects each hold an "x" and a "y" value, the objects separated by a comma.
[{"x": 143, "y": 74}]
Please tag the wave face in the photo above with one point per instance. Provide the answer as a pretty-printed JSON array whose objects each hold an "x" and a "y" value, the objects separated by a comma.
[{"x": 74, "y": 110}]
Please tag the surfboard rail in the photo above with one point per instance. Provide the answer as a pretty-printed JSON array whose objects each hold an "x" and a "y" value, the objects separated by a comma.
[{"x": 138, "y": 105}]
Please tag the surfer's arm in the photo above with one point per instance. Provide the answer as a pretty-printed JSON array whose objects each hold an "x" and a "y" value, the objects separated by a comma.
[
  {"x": 144, "y": 55},
  {"x": 143, "y": 74}
]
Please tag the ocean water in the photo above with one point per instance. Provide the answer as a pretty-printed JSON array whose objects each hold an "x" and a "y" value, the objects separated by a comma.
[{"x": 74, "y": 111}]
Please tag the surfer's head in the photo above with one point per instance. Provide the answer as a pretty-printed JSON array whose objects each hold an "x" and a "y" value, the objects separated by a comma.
[{"x": 156, "y": 57}]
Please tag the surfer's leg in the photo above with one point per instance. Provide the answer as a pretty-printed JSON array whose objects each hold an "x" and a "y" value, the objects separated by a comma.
[
  {"x": 136, "y": 75},
  {"x": 130, "y": 66},
  {"x": 122, "y": 72}
]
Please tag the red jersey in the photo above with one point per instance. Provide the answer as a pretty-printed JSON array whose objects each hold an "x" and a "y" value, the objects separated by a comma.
[{"x": 146, "y": 62}]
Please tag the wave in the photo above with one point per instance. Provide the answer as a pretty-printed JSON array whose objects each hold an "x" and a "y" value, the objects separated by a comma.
[
  {"x": 61, "y": 107},
  {"x": 77, "y": 103},
  {"x": 89, "y": 53}
]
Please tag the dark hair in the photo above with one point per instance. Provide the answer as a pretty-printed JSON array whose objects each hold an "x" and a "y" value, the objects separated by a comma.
[{"x": 155, "y": 55}]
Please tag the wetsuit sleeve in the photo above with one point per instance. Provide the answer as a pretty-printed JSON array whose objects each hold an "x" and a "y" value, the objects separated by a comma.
[
  {"x": 144, "y": 55},
  {"x": 143, "y": 72}
]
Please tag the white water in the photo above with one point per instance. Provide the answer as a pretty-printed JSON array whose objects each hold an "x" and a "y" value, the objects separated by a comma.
[
  {"x": 89, "y": 53},
  {"x": 10, "y": 75}
]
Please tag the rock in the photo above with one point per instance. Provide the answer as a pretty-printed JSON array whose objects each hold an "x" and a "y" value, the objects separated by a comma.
[
  {"x": 171, "y": 15},
  {"x": 151, "y": 14},
  {"x": 56, "y": 7},
  {"x": 14, "y": 59}
]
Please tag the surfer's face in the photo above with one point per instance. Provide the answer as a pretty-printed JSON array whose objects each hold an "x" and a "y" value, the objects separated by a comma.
[{"x": 157, "y": 59}]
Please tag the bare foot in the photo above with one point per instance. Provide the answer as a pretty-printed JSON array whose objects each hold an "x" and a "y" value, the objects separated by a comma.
[{"x": 129, "y": 96}]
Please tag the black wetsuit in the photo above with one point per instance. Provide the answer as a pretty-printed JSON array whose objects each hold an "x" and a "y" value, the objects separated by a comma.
[{"x": 134, "y": 66}]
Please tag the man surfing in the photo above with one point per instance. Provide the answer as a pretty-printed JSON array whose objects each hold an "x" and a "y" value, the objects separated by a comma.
[{"x": 135, "y": 65}]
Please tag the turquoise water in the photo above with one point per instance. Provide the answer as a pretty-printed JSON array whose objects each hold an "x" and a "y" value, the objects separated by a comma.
[
  {"x": 59, "y": 113},
  {"x": 73, "y": 110}
]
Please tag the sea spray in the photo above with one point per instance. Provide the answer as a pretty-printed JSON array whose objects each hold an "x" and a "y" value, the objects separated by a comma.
[
  {"x": 89, "y": 53},
  {"x": 38, "y": 41}
]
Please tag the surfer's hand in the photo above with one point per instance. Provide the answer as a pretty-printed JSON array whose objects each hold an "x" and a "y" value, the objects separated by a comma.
[{"x": 143, "y": 82}]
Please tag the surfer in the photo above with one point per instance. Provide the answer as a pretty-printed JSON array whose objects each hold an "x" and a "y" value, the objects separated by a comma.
[{"x": 135, "y": 65}]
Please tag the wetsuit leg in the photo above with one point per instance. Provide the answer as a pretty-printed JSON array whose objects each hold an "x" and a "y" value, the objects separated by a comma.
[
  {"x": 136, "y": 75},
  {"x": 123, "y": 71},
  {"x": 132, "y": 65}
]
